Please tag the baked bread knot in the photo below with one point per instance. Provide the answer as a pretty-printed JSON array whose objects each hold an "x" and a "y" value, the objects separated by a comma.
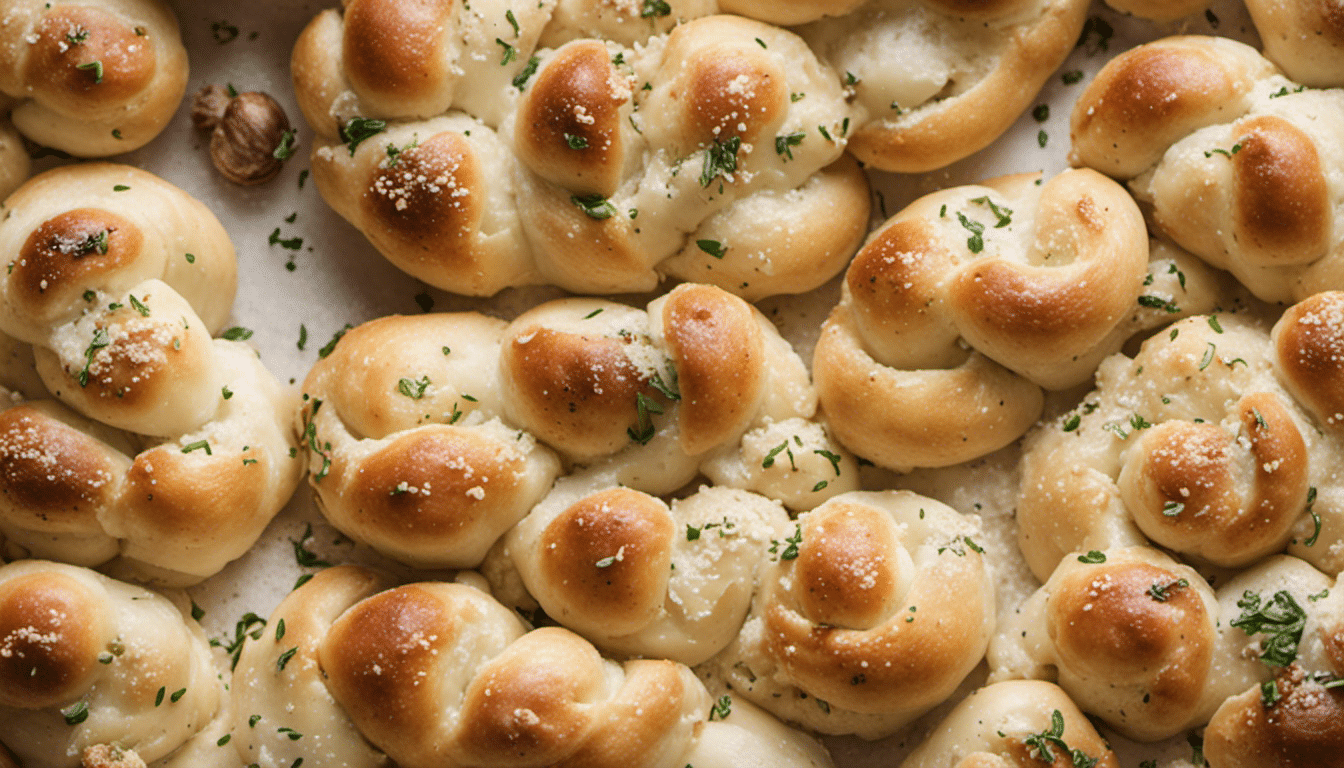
[
  {"x": 428, "y": 437},
  {"x": 1216, "y": 441},
  {"x": 441, "y": 674},
  {"x": 705, "y": 155},
  {"x": 1293, "y": 719},
  {"x": 1132, "y": 636},
  {"x": 1014, "y": 724},
  {"x": 168, "y": 447},
  {"x": 405, "y": 444},
  {"x": 936, "y": 80},
  {"x": 638, "y": 576},
  {"x": 1159, "y": 10},
  {"x": 960, "y": 308},
  {"x": 870, "y": 612},
  {"x": 1305, "y": 39},
  {"x": 93, "y": 667},
  {"x": 91, "y": 79},
  {"x": 647, "y": 398},
  {"x": 1235, "y": 160}
]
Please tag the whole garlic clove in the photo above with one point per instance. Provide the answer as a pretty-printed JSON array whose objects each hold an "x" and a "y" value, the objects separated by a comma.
[{"x": 250, "y": 133}]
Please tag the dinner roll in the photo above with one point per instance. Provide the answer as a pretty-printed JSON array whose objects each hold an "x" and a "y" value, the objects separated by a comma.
[
  {"x": 1214, "y": 441},
  {"x": 936, "y": 80},
  {"x": 440, "y": 674},
  {"x": 960, "y": 308},
  {"x": 91, "y": 79},
  {"x": 1295, "y": 719},
  {"x": 94, "y": 670},
  {"x": 870, "y": 612},
  {"x": 173, "y": 448},
  {"x": 1236, "y": 160},
  {"x": 1134, "y": 637},
  {"x": 641, "y": 577}
]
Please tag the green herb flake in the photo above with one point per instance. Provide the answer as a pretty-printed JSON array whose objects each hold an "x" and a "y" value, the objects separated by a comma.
[
  {"x": 284, "y": 659},
  {"x": 520, "y": 80},
  {"x": 236, "y": 333},
  {"x": 357, "y": 130},
  {"x": 413, "y": 388},
  {"x": 722, "y": 708},
  {"x": 596, "y": 206},
  {"x": 1280, "y": 619},
  {"x": 1093, "y": 557},
  {"x": 785, "y": 143},
  {"x": 976, "y": 242},
  {"x": 76, "y": 713},
  {"x": 653, "y": 8},
  {"x": 712, "y": 247},
  {"x": 576, "y": 142},
  {"x": 96, "y": 67},
  {"x": 720, "y": 160}
]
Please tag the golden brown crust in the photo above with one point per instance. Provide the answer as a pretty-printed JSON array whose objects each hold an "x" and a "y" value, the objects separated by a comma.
[
  {"x": 53, "y": 475},
  {"x": 441, "y": 674},
  {"x": 1147, "y": 98},
  {"x": 1283, "y": 211},
  {"x": 1309, "y": 347},
  {"x": 1304, "y": 727},
  {"x": 92, "y": 80},
  {"x": 572, "y": 117},
  {"x": 610, "y": 550},
  {"x": 1108, "y": 626},
  {"x": 1187, "y": 487},
  {"x": 118, "y": 279},
  {"x": 395, "y": 51},
  {"x": 719, "y": 353},
  {"x": 52, "y": 629},
  {"x": 86, "y": 660},
  {"x": 1304, "y": 38},
  {"x": 579, "y": 391}
]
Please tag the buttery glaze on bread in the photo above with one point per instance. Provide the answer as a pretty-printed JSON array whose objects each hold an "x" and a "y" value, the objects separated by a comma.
[
  {"x": 441, "y": 674},
  {"x": 430, "y": 436},
  {"x": 870, "y": 613},
  {"x": 960, "y": 308},
  {"x": 703, "y": 155},
  {"x": 994, "y": 728},
  {"x": 1218, "y": 440},
  {"x": 91, "y": 79},
  {"x": 1238, "y": 162},
  {"x": 167, "y": 447},
  {"x": 91, "y": 667}
]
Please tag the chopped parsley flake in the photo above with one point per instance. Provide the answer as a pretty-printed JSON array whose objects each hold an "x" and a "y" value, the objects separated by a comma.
[
  {"x": 1280, "y": 619},
  {"x": 359, "y": 129}
]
